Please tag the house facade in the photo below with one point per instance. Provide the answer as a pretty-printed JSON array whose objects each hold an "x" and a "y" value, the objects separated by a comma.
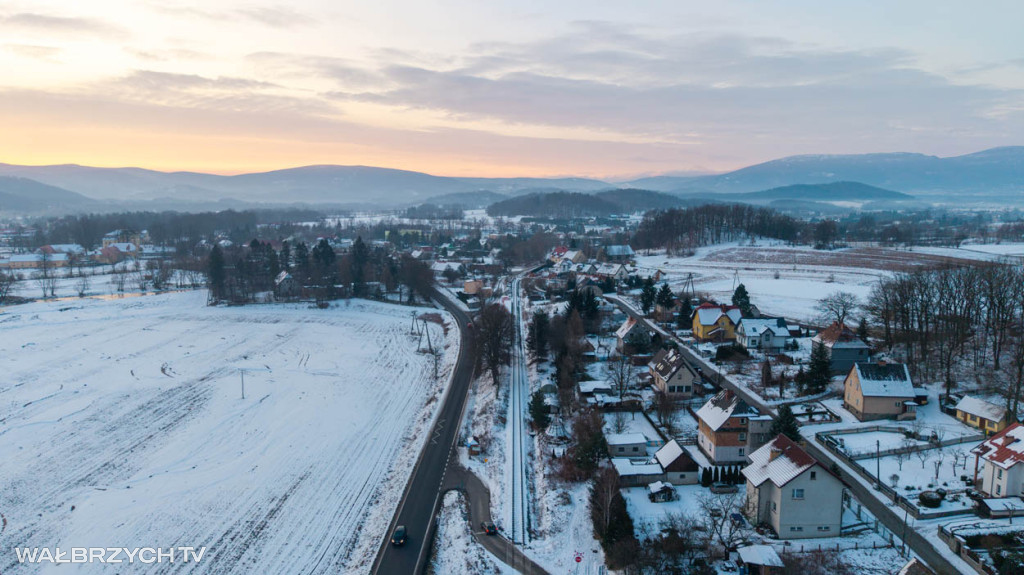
[
  {"x": 715, "y": 322},
  {"x": 789, "y": 490},
  {"x": 632, "y": 337},
  {"x": 986, "y": 416},
  {"x": 678, "y": 466},
  {"x": 842, "y": 346},
  {"x": 879, "y": 391},
  {"x": 729, "y": 430},
  {"x": 766, "y": 334},
  {"x": 1003, "y": 454},
  {"x": 672, "y": 375}
]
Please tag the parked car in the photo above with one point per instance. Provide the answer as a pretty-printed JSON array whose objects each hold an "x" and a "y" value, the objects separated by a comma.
[
  {"x": 724, "y": 488},
  {"x": 488, "y": 528},
  {"x": 398, "y": 538}
]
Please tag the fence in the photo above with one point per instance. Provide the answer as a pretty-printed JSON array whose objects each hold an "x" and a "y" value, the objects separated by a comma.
[
  {"x": 826, "y": 441},
  {"x": 906, "y": 449}
]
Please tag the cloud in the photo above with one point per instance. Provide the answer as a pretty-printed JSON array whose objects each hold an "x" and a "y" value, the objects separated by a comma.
[
  {"x": 62, "y": 25},
  {"x": 271, "y": 16},
  {"x": 760, "y": 93},
  {"x": 33, "y": 51}
]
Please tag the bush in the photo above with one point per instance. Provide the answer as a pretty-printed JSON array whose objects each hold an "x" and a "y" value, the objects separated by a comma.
[{"x": 930, "y": 499}]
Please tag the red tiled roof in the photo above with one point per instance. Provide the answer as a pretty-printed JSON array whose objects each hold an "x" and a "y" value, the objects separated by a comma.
[
  {"x": 1005, "y": 448},
  {"x": 837, "y": 332}
]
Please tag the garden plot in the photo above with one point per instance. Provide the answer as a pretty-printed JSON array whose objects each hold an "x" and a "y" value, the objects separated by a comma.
[
  {"x": 122, "y": 423},
  {"x": 860, "y": 444}
]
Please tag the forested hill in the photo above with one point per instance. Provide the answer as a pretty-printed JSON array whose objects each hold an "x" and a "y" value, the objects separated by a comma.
[{"x": 575, "y": 204}]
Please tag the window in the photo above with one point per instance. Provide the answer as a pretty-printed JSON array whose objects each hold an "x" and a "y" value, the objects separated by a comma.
[
  {"x": 824, "y": 528},
  {"x": 796, "y": 528},
  {"x": 798, "y": 494},
  {"x": 899, "y": 403},
  {"x": 999, "y": 489},
  {"x": 636, "y": 449},
  {"x": 773, "y": 507},
  {"x": 743, "y": 437},
  {"x": 742, "y": 452},
  {"x": 743, "y": 421},
  {"x": 999, "y": 473},
  {"x": 814, "y": 475}
]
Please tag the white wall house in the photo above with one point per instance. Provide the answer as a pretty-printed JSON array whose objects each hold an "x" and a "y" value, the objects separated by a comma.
[
  {"x": 792, "y": 492},
  {"x": 1003, "y": 455}
]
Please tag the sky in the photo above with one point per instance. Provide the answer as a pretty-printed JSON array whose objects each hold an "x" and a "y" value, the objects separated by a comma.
[{"x": 499, "y": 88}]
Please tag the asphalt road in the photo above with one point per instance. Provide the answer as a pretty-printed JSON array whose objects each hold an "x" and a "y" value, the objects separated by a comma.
[
  {"x": 892, "y": 521},
  {"x": 422, "y": 495}
]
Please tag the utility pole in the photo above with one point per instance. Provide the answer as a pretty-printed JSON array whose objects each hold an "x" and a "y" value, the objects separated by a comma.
[
  {"x": 241, "y": 372},
  {"x": 878, "y": 461}
]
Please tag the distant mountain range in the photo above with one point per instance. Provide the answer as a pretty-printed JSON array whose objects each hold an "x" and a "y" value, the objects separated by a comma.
[
  {"x": 29, "y": 196},
  {"x": 990, "y": 176},
  {"x": 997, "y": 170}
]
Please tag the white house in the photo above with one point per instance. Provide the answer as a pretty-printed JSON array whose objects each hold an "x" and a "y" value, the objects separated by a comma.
[
  {"x": 789, "y": 490},
  {"x": 673, "y": 375},
  {"x": 678, "y": 465},
  {"x": 627, "y": 444},
  {"x": 768, "y": 334},
  {"x": 1003, "y": 453}
]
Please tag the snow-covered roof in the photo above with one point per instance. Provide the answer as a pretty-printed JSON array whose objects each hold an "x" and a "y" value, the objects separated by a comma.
[
  {"x": 442, "y": 266},
  {"x": 1004, "y": 449},
  {"x": 626, "y": 467},
  {"x": 839, "y": 335},
  {"x": 1004, "y": 504},
  {"x": 626, "y": 327},
  {"x": 709, "y": 313},
  {"x": 625, "y": 438},
  {"x": 780, "y": 461},
  {"x": 26, "y": 258},
  {"x": 673, "y": 457},
  {"x": 128, "y": 246},
  {"x": 282, "y": 277},
  {"x": 594, "y": 385},
  {"x": 721, "y": 407},
  {"x": 884, "y": 380},
  {"x": 760, "y": 555},
  {"x": 659, "y": 486},
  {"x": 752, "y": 326},
  {"x": 67, "y": 248},
  {"x": 981, "y": 408},
  {"x": 669, "y": 363}
]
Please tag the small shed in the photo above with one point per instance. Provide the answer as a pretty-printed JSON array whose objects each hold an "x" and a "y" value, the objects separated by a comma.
[
  {"x": 660, "y": 492},
  {"x": 1001, "y": 507},
  {"x": 759, "y": 560},
  {"x": 473, "y": 446}
]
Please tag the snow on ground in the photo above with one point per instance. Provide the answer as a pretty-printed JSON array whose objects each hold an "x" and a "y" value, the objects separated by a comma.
[
  {"x": 455, "y": 550},
  {"x": 130, "y": 409},
  {"x": 869, "y": 441},
  {"x": 649, "y": 515},
  {"x": 786, "y": 280}
]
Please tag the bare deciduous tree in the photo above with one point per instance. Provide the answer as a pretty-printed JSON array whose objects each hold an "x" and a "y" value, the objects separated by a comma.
[
  {"x": 837, "y": 306},
  {"x": 620, "y": 372}
]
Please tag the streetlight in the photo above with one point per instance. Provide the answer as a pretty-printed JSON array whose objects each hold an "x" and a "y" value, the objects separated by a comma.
[{"x": 878, "y": 461}]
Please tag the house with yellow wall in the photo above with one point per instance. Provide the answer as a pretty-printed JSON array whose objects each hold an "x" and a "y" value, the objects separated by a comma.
[
  {"x": 715, "y": 322},
  {"x": 988, "y": 417}
]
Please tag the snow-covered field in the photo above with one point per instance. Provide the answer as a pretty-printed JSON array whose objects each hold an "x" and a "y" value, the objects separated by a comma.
[
  {"x": 122, "y": 425},
  {"x": 804, "y": 275}
]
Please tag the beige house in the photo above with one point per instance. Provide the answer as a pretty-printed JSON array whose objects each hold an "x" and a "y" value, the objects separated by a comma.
[
  {"x": 728, "y": 429},
  {"x": 673, "y": 375},
  {"x": 879, "y": 391},
  {"x": 986, "y": 416},
  {"x": 789, "y": 490}
]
